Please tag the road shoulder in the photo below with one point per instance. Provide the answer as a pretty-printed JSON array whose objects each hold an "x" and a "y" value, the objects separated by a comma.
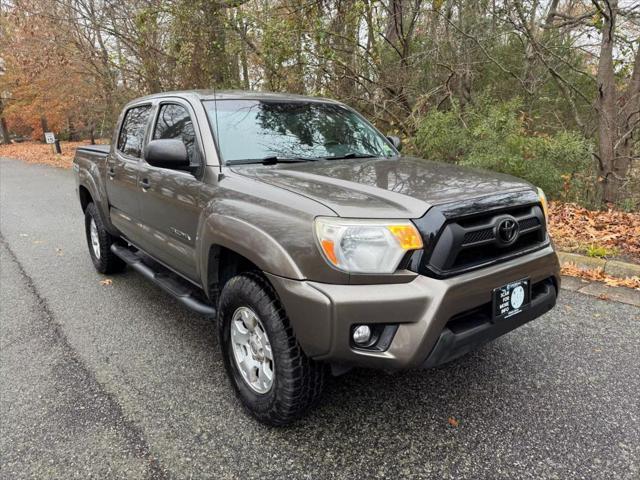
[
  {"x": 601, "y": 290},
  {"x": 57, "y": 418}
]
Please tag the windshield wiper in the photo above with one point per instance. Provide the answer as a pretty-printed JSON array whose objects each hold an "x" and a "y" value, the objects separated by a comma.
[
  {"x": 351, "y": 155},
  {"x": 272, "y": 160}
]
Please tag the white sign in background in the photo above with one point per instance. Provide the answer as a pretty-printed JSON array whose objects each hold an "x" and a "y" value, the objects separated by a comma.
[{"x": 49, "y": 137}]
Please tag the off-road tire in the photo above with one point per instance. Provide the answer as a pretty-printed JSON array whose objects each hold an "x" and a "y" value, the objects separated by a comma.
[
  {"x": 298, "y": 380},
  {"x": 108, "y": 262}
]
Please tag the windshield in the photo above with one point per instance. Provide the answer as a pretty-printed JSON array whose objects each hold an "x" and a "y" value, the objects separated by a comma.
[{"x": 253, "y": 130}]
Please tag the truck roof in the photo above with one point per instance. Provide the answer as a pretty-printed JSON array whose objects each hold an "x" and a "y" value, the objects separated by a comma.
[{"x": 236, "y": 95}]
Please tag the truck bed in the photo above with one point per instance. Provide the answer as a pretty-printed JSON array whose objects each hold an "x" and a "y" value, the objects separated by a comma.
[
  {"x": 100, "y": 149},
  {"x": 91, "y": 154}
]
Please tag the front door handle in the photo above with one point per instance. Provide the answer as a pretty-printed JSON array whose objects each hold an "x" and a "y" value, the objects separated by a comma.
[
  {"x": 145, "y": 184},
  {"x": 111, "y": 171}
]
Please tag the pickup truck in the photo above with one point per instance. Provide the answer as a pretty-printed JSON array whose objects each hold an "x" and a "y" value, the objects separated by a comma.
[{"x": 311, "y": 240}]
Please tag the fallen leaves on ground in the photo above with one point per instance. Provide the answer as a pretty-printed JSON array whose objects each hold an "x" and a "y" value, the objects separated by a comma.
[
  {"x": 106, "y": 281},
  {"x": 574, "y": 227},
  {"x": 453, "y": 422},
  {"x": 598, "y": 275},
  {"x": 35, "y": 152}
]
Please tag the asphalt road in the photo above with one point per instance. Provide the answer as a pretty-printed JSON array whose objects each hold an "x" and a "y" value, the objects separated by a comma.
[{"x": 120, "y": 381}]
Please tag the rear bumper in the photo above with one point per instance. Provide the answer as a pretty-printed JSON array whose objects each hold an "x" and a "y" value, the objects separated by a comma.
[{"x": 438, "y": 319}]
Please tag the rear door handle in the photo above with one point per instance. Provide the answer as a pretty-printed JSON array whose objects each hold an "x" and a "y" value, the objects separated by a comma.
[
  {"x": 144, "y": 183},
  {"x": 111, "y": 171}
]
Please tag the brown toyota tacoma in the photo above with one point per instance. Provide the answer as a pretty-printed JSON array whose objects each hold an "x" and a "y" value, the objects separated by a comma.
[{"x": 314, "y": 243}]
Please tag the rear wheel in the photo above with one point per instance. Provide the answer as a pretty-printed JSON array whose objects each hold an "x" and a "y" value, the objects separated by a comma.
[
  {"x": 99, "y": 242},
  {"x": 272, "y": 376}
]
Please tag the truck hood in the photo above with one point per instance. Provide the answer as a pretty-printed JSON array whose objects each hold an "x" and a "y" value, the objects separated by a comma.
[{"x": 400, "y": 187}]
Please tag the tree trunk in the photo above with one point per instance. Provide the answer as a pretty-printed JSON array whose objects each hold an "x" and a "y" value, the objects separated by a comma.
[
  {"x": 4, "y": 129},
  {"x": 345, "y": 27},
  {"x": 395, "y": 20},
  {"x": 121, "y": 62},
  {"x": 45, "y": 126},
  {"x": 73, "y": 133},
  {"x": 606, "y": 107},
  {"x": 245, "y": 67},
  {"x": 629, "y": 130},
  {"x": 401, "y": 22},
  {"x": 619, "y": 115},
  {"x": 216, "y": 17}
]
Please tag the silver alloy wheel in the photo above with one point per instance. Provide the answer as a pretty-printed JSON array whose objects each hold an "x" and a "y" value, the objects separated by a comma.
[
  {"x": 95, "y": 239},
  {"x": 252, "y": 350}
]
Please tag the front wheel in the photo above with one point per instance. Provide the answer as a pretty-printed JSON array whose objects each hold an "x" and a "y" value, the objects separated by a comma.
[
  {"x": 272, "y": 376},
  {"x": 99, "y": 242}
]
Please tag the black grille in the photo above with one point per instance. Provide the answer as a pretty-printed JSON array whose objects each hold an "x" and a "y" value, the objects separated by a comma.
[
  {"x": 482, "y": 253},
  {"x": 478, "y": 236},
  {"x": 473, "y": 241},
  {"x": 528, "y": 223},
  {"x": 485, "y": 234}
]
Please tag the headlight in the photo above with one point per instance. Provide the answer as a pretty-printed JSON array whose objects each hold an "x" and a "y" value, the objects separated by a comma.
[
  {"x": 365, "y": 246},
  {"x": 543, "y": 201}
]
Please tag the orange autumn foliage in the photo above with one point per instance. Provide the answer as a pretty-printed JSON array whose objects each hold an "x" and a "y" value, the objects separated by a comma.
[
  {"x": 33, "y": 152},
  {"x": 44, "y": 79}
]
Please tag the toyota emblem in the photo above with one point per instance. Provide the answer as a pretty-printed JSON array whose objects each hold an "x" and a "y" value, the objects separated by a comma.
[{"x": 507, "y": 231}]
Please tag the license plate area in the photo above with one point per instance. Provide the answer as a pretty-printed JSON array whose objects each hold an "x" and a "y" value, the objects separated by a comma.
[{"x": 511, "y": 298}]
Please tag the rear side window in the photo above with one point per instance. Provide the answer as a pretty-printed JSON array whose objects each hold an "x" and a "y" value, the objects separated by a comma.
[
  {"x": 174, "y": 122},
  {"x": 132, "y": 131}
]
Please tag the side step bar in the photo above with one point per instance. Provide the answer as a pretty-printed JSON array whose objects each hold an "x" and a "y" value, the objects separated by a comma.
[{"x": 183, "y": 292}]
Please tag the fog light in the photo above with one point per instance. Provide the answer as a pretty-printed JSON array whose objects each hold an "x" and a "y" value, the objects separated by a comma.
[{"x": 362, "y": 334}]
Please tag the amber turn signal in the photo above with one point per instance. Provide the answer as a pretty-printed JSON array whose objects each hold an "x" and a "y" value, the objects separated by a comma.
[
  {"x": 407, "y": 236},
  {"x": 329, "y": 250}
]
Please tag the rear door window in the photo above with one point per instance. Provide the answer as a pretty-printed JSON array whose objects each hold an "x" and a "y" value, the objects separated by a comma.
[
  {"x": 131, "y": 136},
  {"x": 174, "y": 122}
]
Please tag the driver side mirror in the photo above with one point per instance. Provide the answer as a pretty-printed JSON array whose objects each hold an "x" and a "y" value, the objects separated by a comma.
[
  {"x": 167, "y": 153},
  {"x": 395, "y": 141}
]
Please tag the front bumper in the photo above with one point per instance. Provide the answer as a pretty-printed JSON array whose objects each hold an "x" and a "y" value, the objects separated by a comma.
[{"x": 438, "y": 319}]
